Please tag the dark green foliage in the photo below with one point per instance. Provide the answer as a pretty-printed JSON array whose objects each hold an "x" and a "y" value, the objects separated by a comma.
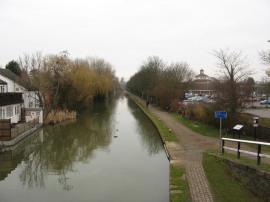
[{"x": 14, "y": 67}]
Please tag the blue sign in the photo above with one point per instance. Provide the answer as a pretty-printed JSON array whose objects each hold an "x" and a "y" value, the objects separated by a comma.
[{"x": 221, "y": 114}]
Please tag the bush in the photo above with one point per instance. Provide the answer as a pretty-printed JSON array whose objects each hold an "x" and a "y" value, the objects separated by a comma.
[{"x": 203, "y": 112}]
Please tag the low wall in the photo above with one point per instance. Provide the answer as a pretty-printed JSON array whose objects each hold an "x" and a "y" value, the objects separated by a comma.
[{"x": 256, "y": 180}]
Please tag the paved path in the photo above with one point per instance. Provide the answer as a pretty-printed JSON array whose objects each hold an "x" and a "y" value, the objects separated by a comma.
[
  {"x": 191, "y": 149},
  {"x": 264, "y": 112},
  {"x": 188, "y": 153}
]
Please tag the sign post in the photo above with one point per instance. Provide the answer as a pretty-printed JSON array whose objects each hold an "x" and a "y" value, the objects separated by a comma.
[
  {"x": 255, "y": 125},
  {"x": 221, "y": 115}
]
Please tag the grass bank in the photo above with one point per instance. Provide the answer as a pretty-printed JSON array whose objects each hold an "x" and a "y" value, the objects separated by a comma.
[
  {"x": 162, "y": 128},
  {"x": 178, "y": 185},
  {"x": 223, "y": 185},
  {"x": 179, "y": 189},
  {"x": 197, "y": 126}
]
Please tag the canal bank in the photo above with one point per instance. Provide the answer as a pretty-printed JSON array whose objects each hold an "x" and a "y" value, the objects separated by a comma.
[
  {"x": 184, "y": 151},
  {"x": 21, "y": 136}
]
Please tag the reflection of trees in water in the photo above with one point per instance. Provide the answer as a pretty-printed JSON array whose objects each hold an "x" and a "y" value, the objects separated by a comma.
[
  {"x": 66, "y": 144},
  {"x": 150, "y": 137},
  {"x": 32, "y": 173}
]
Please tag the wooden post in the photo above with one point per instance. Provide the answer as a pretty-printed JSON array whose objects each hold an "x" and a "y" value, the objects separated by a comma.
[
  {"x": 258, "y": 154},
  {"x": 238, "y": 150},
  {"x": 223, "y": 144}
]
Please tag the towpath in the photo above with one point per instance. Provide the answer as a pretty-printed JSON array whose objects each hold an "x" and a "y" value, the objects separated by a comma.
[{"x": 188, "y": 153}]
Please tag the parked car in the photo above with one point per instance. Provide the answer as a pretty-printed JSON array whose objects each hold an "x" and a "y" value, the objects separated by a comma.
[
  {"x": 203, "y": 99},
  {"x": 249, "y": 99},
  {"x": 265, "y": 102}
]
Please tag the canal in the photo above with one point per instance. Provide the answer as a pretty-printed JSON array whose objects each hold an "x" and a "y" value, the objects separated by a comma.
[{"x": 111, "y": 153}]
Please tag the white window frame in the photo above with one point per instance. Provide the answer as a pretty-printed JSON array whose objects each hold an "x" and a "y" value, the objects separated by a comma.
[
  {"x": 2, "y": 113},
  {"x": 2, "y": 89},
  {"x": 9, "y": 111},
  {"x": 17, "y": 108}
]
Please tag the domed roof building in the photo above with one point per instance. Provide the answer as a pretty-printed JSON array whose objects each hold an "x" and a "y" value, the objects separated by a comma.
[{"x": 203, "y": 84}]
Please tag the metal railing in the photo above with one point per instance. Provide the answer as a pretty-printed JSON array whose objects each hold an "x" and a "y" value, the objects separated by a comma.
[
  {"x": 259, "y": 153},
  {"x": 23, "y": 127}
]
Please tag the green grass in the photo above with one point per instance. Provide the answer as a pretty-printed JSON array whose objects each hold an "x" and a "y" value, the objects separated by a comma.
[
  {"x": 224, "y": 187},
  {"x": 163, "y": 129},
  {"x": 196, "y": 126},
  {"x": 262, "y": 122},
  {"x": 179, "y": 184},
  {"x": 247, "y": 161}
]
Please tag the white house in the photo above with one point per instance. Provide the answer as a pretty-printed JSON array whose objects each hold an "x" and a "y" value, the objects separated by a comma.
[
  {"x": 10, "y": 106},
  {"x": 29, "y": 108}
]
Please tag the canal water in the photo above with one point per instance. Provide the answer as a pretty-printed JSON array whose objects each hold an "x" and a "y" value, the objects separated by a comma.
[{"x": 111, "y": 153}]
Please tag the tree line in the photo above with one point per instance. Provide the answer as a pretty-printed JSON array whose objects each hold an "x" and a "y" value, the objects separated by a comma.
[
  {"x": 166, "y": 85},
  {"x": 161, "y": 83},
  {"x": 65, "y": 83}
]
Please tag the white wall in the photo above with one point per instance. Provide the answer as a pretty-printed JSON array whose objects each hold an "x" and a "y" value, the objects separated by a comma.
[
  {"x": 31, "y": 100},
  {"x": 12, "y": 87},
  {"x": 32, "y": 113},
  {"x": 15, "y": 111}
]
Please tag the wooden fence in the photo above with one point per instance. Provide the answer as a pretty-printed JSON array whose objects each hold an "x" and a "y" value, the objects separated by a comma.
[
  {"x": 238, "y": 150},
  {"x": 7, "y": 132},
  {"x": 23, "y": 127}
]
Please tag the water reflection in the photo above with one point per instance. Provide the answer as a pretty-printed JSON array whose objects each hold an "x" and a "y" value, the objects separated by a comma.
[
  {"x": 148, "y": 133},
  {"x": 79, "y": 158},
  {"x": 66, "y": 144}
]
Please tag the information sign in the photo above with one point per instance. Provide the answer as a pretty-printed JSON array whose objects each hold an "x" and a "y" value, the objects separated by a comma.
[{"x": 221, "y": 114}]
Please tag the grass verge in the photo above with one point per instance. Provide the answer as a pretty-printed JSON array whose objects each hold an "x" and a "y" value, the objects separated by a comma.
[
  {"x": 179, "y": 185},
  {"x": 162, "y": 128},
  {"x": 179, "y": 189},
  {"x": 196, "y": 126},
  {"x": 224, "y": 187},
  {"x": 247, "y": 161}
]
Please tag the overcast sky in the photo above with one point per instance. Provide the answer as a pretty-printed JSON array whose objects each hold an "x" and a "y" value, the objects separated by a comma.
[{"x": 127, "y": 32}]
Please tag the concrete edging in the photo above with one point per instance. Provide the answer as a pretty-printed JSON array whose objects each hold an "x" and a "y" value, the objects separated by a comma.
[
  {"x": 21, "y": 137},
  {"x": 163, "y": 141}
]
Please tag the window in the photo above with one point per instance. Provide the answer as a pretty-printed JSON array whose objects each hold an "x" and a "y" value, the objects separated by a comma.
[
  {"x": 2, "y": 89},
  {"x": 17, "y": 89},
  {"x": 17, "y": 108},
  {"x": 2, "y": 113},
  {"x": 37, "y": 113},
  {"x": 9, "y": 111}
]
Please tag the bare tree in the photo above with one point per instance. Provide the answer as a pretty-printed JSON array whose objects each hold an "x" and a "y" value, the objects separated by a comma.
[
  {"x": 233, "y": 68},
  {"x": 265, "y": 57},
  {"x": 31, "y": 67}
]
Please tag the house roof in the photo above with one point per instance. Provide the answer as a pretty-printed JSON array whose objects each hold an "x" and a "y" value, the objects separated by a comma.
[
  {"x": 10, "y": 98},
  {"x": 201, "y": 75},
  {"x": 3, "y": 82},
  {"x": 10, "y": 75},
  {"x": 201, "y": 80}
]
